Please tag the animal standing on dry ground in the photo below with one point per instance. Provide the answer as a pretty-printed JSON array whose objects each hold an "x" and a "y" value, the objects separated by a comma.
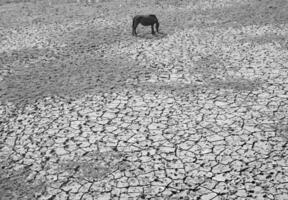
[{"x": 145, "y": 20}]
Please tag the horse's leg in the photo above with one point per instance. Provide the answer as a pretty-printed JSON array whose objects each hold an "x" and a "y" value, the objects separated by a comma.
[
  {"x": 134, "y": 29},
  {"x": 134, "y": 26},
  {"x": 157, "y": 26},
  {"x": 152, "y": 27}
]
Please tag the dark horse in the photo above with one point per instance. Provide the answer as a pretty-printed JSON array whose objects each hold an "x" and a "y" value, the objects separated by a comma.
[{"x": 145, "y": 20}]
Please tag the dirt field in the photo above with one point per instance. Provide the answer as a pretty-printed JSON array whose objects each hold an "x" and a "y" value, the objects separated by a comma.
[
  {"x": 50, "y": 48},
  {"x": 198, "y": 111}
]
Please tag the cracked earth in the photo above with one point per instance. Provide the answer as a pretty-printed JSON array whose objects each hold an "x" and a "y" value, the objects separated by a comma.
[{"x": 196, "y": 112}]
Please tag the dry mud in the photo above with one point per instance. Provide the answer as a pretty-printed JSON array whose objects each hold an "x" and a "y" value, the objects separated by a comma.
[{"x": 198, "y": 111}]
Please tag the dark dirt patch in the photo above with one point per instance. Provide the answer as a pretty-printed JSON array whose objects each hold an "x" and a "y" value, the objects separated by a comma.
[
  {"x": 95, "y": 165},
  {"x": 66, "y": 78},
  {"x": 254, "y": 12},
  {"x": 237, "y": 85},
  {"x": 17, "y": 184}
]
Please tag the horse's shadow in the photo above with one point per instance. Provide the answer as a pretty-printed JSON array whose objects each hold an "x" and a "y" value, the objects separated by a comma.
[{"x": 149, "y": 36}]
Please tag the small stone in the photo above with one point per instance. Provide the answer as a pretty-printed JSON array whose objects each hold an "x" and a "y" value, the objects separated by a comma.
[
  {"x": 219, "y": 178},
  {"x": 208, "y": 196},
  {"x": 214, "y": 138},
  {"x": 60, "y": 151},
  {"x": 71, "y": 187},
  {"x": 220, "y": 103},
  {"x": 109, "y": 115},
  {"x": 114, "y": 104}
]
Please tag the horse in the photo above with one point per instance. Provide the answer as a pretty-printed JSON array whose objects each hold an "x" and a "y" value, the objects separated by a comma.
[{"x": 145, "y": 20}]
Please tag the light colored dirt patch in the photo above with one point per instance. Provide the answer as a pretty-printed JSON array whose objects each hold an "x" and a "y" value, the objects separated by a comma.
[
  {"x": 158, "y": 132},
  {"x": 275, "y": 38}
]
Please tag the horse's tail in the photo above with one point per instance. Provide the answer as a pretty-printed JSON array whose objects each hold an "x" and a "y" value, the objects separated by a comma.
[
  {"x": 134, "y": 20},
  {"x": 134, "y": 24}
]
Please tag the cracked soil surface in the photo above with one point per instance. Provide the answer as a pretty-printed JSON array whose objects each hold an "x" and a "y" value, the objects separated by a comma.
[{"x": 199, "y": 111}]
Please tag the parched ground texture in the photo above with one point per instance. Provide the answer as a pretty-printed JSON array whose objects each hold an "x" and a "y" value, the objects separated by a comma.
[{"x": 198, "y": 111}]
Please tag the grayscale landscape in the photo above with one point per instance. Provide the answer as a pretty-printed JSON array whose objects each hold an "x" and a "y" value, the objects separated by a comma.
[{"x": 198, "y": 111}]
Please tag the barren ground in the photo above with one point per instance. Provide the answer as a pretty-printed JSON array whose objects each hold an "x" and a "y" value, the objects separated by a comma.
[{"x": 199, "y": 111}]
